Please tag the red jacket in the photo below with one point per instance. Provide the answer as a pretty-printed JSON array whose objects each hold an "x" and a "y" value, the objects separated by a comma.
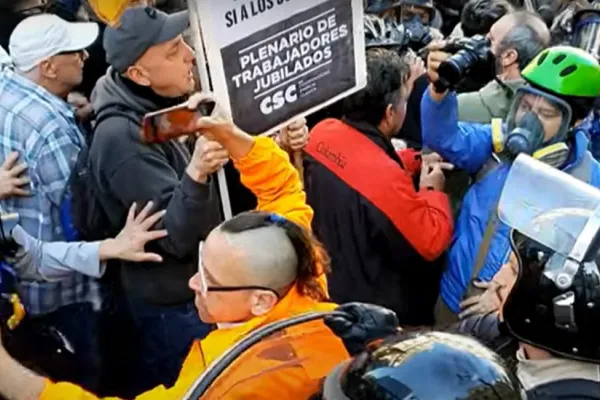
[{"x": 383, "y": 235}]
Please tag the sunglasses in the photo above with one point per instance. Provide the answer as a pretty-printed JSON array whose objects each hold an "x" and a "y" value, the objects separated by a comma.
[
  {"x": 78, "y": 53},
  {"x": 205, "y": 288}
]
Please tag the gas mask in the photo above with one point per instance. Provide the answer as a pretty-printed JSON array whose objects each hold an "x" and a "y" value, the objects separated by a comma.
[
  {"x": 418, "y": 32},
  {"x": 533, "y": 112},
  {"x": 526, "y": 137},
  {"x": 416, "y": 27}
]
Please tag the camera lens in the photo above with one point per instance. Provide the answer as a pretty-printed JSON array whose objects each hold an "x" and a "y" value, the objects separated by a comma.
[
  {"x": 469, "y": 53},
  {"x": 452, "y": 71}
]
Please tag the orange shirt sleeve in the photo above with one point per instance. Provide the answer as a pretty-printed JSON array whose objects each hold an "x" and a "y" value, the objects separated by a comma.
[{"x": 268, "y": 173}]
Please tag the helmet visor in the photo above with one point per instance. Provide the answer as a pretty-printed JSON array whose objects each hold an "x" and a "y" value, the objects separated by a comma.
[
  {"x": 553, "y": 114},
  {"x": 586, "y": 34},
  {"x": 550, "y": 207}
]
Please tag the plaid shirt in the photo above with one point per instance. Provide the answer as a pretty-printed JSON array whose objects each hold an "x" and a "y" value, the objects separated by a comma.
[{"x": 43, "y": 129}]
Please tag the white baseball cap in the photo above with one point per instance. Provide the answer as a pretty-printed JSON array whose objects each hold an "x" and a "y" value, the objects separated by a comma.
[{"x": 40, "y": 37}]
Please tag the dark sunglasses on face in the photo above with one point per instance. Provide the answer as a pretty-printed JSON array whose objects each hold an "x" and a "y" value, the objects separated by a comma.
[{"x": 71, "y": 53}]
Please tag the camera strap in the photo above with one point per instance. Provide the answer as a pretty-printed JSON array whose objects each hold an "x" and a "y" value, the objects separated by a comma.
[{"x": 486, "y": 242}]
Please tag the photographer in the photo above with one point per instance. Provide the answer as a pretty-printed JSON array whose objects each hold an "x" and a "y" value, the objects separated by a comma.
[
  {"x": 563, "y": 83},
  {"x": 515, "y": 40}
]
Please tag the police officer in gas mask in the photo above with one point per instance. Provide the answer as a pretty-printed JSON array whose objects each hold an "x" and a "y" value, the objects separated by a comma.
[
  {"x": 419, "y": 19},
  {"x": 562, "y": 85}
]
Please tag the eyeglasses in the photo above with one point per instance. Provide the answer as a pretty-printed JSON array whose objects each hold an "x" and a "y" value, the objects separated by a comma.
[
  {"x": 78, "y": 53},
  {"x": 204, "y": 288}
]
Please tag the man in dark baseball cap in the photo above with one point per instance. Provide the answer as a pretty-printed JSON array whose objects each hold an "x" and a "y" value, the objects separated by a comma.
[
  {"x": 142, "y": 45},
  {"x": 151, "y": 69},
  {"x": 138, "y": 30}
]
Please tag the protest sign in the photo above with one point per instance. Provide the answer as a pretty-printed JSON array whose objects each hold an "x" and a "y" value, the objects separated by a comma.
[{"x": 272, "y": 60}]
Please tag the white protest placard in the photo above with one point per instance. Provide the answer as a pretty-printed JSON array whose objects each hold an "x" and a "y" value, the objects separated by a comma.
[{"x": 273, "y": 60}]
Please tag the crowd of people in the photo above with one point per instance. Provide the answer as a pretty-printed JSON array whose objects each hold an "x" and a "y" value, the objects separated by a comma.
[{"x": 444, "y": 219}]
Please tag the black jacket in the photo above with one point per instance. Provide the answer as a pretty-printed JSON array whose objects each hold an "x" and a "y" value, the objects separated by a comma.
[
  {"x": 372, "y": 262},
  {"x": 125, "y": 171}
]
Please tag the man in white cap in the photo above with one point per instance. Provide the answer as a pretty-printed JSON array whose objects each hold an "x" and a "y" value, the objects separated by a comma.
[{"x": 36, "y": 121}]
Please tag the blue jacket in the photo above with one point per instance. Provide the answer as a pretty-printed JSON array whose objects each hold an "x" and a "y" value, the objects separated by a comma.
[
  {"x": 468, "y": 146},
  {"x": 591, "y": 125}
]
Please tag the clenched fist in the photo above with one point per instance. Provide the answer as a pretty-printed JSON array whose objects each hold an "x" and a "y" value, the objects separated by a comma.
[
  {"x": 208, "y": 158},
  {"x": 294, "y": 137}
]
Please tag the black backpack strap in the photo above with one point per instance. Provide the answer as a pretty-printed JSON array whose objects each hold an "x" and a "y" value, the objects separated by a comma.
[
  {"x": 89, "y": 217},
  {"x": 571, "y": 389}
]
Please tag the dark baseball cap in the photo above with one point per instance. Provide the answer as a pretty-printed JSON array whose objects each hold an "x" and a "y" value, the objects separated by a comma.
[{"x": 138, "y": 29}]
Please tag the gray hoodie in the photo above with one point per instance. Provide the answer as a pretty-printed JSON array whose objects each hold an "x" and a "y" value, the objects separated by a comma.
[{"x": 125, "y": 170}]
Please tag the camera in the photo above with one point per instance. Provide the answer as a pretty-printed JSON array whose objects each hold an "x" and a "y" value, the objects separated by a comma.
[{"x": 468, "y": 54}]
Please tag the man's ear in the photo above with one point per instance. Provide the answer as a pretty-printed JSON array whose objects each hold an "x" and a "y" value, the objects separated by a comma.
[
  {"x": 388, "y": 116},
  {"x": 389, "y": 112},
  {"x": 138, "y": 75},
  {"x": 47, "y": 70},
  {"x": 262, "y": 301},
  {"x": 509, "y": 57}
]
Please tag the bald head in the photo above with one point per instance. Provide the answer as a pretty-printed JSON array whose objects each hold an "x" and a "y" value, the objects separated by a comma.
[{"x": 263, "y": 256}]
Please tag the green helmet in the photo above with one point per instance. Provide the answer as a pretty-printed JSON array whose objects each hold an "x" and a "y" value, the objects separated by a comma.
[{"x": 565, "y": 71}]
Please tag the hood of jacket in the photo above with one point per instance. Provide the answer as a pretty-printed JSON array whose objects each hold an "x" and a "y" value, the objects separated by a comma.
[{"x": 112, "y": 93}]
